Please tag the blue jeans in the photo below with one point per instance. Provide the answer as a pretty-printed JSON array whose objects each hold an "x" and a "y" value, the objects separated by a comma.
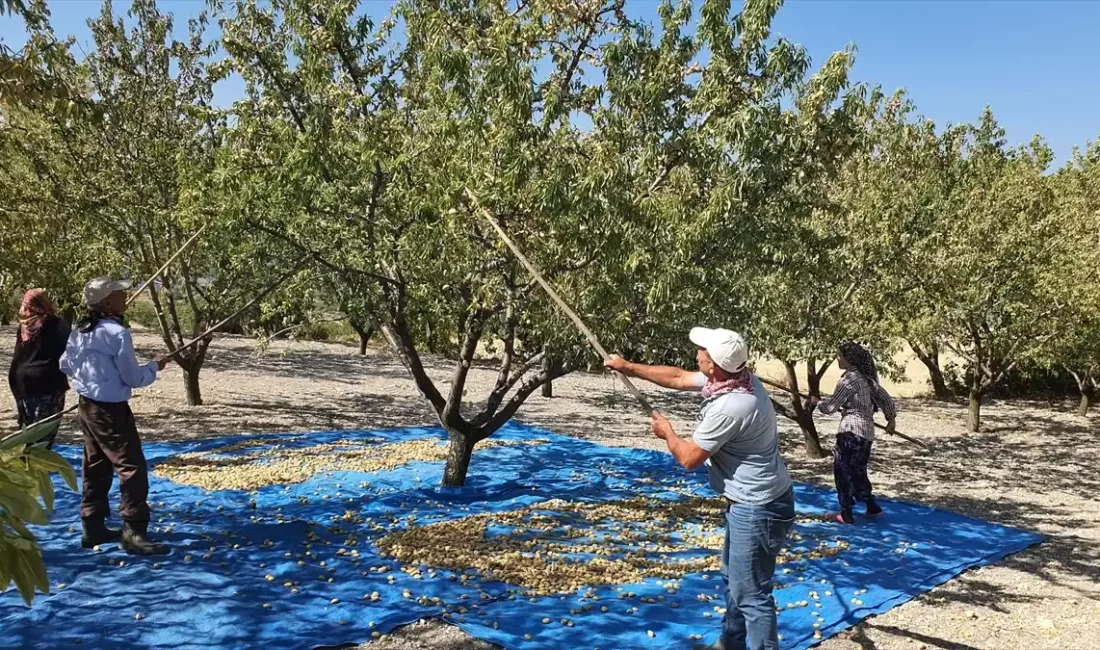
[{"x": 754, "y": 535}]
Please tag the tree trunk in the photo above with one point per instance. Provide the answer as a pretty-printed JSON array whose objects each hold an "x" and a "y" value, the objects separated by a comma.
[
  {"x": 459, "y": 451},
  {"x": 814, "y": 375},
  {"x": 548, "y": 387},
  {"x": 974, "y": 415},
  {"x": 191, "y": 385},
  {"x": 804, "y": 418},
  {"x": 365, "y": 334},
  {"x": 810, "y": 437},
  {"x": 930, "y": 357},
  {"x": 1083, "y": 387},
  {"x": 192, "y": 366}
]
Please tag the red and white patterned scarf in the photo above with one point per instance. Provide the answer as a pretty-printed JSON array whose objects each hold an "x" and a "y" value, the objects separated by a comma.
[
  {"x": 34, "y": 311},
  {"x": 740, "y": 382}
]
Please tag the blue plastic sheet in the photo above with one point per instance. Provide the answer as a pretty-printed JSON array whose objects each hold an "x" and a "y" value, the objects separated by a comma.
[{"x": 246, "y": 568}]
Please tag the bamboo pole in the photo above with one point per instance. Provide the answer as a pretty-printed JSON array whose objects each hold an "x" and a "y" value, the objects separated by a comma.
[
  {"x": 646, "y": 406},
  {"x": 592, "y": 337},
  {"x": 186, "y": 245}
]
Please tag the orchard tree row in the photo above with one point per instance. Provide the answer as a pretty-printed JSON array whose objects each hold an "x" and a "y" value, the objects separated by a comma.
[{"x": 699, "y": 170}]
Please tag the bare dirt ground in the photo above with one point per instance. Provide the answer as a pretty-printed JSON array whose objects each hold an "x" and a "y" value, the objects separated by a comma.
[{"x": 1033, "y": 466}]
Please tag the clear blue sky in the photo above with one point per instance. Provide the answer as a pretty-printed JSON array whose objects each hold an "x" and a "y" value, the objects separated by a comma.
[{"x": 1033, "y": 61}]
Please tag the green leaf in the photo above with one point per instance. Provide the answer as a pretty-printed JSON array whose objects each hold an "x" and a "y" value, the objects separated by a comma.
[
  {"x": 45, "y": 490},
  {"x": 52, "y": 461},
  {"x": 5, "y": 562},
  {"x": 32, "y": 561},
  {"x": 18, "y": 527},
  {"x": 21, "y": 505},
  {"x": 30, "y": 435},
  {"x": 23, "y": 578}
]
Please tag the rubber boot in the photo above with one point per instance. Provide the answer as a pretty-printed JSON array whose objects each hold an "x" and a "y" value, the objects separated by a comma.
[
  {"x": 96, "y": 532},
  {"x": 136, "y": 542}
]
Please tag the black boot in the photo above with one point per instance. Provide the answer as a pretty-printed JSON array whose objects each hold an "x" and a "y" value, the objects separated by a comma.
[
  {"x": 873, "y": 509},
  {"x": 96, "y": 532},
  {"x": 136, "y": 542}
]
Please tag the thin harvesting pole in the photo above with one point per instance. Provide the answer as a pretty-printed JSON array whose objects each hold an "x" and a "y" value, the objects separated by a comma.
[
  {"x": 561, "y": 303},
  {"x": 271, "y": 287},
  {"x": 186, "y": 245}
]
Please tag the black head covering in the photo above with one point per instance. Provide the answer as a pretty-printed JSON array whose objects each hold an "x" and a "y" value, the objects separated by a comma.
[{"x": 860, "y": 360}]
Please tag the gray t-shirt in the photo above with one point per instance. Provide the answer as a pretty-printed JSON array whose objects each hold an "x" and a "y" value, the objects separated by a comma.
[{"x": 739, "y": 430}]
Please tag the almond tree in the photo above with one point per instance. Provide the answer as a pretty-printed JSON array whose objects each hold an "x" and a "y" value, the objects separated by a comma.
[
  {"x": 745, "y": 212},
  {"x": 1074, "y": 338},
  {"x": 897, "y": 192},
  {"x": 132, "y": 174},
  {"x": 990, "y": 264},
  {"x": 358, "y": 147}
]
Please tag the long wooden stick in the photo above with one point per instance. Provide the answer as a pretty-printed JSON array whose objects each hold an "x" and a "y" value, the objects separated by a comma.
[
  {"x": 561, "y": 303},
  {"x": 271, "y": 287},
  {"x": 877, "y": 425},
  {"x": 186, "y": 245}
]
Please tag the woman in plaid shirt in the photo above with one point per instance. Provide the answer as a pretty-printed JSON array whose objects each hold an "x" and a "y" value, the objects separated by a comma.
[{"x": 858, "y": 395}]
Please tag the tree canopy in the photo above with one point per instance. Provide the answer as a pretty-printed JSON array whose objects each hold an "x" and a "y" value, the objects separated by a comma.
[{"x": 697, "y": 171}]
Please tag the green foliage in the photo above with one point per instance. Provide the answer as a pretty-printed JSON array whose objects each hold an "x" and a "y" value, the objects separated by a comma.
[
  {"x": 750, "y": 191},
  {"x": 118, "y": 189},
  {"x": 142, "y": 312},
  {"x": 358, "y": 147},
  {"x": 24, "y": 481}
]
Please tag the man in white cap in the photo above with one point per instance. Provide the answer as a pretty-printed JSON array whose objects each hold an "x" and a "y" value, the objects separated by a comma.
[
  {"x": 736, "y": 438},
  {"x": 102, "y": 369}
]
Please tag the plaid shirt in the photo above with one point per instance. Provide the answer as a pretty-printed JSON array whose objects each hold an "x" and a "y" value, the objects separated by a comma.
[{"x": 857, "y": 410}]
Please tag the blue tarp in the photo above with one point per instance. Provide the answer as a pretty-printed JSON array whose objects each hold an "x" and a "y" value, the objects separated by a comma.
[{"x": 213, "y": 590}]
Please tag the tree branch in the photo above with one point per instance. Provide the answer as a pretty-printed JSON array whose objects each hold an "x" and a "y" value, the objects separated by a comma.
[
  {"x": 847, "y": 294},
  {"x": 521, "y": 395},
  {"x": 452, "y": 412},
  {"x": 318, "y": 257},
  {"x": 496, "y": 397},
  {"x": 782, "y": 410},
  {"x": 401, "y": 341},
  {"x": 509, "y": 346}
]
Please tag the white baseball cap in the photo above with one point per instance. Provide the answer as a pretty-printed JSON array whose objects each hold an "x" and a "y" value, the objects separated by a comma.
[
  {"x": 97, "y": 290},
  {"x": 726, "y": 348}
]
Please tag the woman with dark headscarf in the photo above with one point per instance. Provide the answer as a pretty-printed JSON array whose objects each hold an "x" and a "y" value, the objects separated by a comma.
[
  {"x": 858, "y": 395},
  {"x": 35, "y": 377}
]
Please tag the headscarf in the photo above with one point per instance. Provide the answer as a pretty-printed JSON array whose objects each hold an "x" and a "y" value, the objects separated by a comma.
[
  {"x": 35, "y": 310},
  {"x": 94, "y": 316},
  {"x": 860, "y": 360},
  {"x": 738, "y": 382}
]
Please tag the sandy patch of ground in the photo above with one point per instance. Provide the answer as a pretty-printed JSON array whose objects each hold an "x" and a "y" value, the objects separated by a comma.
[{"x": 1034, "y": 466}]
